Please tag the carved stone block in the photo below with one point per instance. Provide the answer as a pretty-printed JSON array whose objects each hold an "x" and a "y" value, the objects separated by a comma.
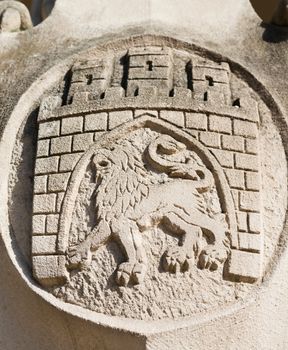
[
  {"x": 44, "y": 203},
  {"x": 245, "y": 265},
  {"x": 50, "y": 269},
  {"x": 96, "y": 122},
  {"x": 61, "y": 145},
  {"x": 71, "y": 126},
  {"x": 197, "y": 121},
  {"x": 149, "y": 196},
  {"x": 44, "y": 245},
  {"x": 49, "y": 129}
]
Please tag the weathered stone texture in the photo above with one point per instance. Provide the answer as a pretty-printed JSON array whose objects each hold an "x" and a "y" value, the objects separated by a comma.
[{"x": 193, "y": 95}]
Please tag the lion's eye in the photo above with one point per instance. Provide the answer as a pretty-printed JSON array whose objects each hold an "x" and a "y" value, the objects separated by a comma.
[{"x": 103, "y": 163}]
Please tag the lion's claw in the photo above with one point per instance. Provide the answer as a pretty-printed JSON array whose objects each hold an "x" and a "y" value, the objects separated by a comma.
[
  {"x": 212, "y": 257},
  {"x": 78, "y": 255},
  {"x": 130, "y": 272},
  {"x": 175, "y": 260},
  {"x": 207, "y": 262}
]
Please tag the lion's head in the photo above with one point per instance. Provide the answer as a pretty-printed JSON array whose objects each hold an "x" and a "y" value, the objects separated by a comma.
[{"x": 121, "y": 179}]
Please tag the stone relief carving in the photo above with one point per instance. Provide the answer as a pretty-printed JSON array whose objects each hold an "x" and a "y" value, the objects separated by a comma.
[
  {"x": 130, "y": 200},
  {"x": 14, "y": 16},
  {"x": 116, "y": 182},
  {"x": 147, "y": 185}
]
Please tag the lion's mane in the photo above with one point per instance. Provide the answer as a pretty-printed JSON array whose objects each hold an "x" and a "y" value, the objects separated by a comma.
[{"x": 124, "y": 186}]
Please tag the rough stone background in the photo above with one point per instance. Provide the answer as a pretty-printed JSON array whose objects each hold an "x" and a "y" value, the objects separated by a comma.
[{"x": 227, "y": 27}]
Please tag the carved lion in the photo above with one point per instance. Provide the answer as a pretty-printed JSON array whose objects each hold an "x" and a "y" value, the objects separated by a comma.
[{"x": 129, "y": 200}]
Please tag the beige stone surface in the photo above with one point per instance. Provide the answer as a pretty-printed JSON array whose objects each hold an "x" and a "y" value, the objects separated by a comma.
[{"x": 259, "y": 321}]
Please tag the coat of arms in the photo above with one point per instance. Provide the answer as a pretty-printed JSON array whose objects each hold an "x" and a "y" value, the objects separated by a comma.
[{"x": 147, "y": 179}]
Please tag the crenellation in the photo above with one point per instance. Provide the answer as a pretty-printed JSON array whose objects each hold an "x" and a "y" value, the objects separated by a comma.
[
  {"x": 200, "y": 88},
  {"x": 47, "y": 107},
  {"x": 80, "y": 97},
  {"x": 216, "y": 96},
  {"x": 114, "y": 93},
  {"x": 249, "y": 105},
  {"x": 149, "y": 91},
  {"x": 182, "y": 93}
]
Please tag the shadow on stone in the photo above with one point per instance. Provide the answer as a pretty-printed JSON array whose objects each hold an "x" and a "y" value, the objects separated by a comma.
[{"x": 274, "y": 34}]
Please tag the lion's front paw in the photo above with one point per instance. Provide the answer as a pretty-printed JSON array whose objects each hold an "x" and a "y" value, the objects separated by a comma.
[
  {"x": 177, "y": 260},
  {"x": 130, "y": 272},
  {"x": 212, "y": 257},
  {"x": 79, "y": 255}
]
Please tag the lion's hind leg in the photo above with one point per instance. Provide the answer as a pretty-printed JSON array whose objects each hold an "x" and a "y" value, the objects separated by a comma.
[
  {"x": 181, "y": 258},
  {"x": 214, "y": 255},
  {"x": 217, "y": 251},
  {"x": 134, "y": 269}
]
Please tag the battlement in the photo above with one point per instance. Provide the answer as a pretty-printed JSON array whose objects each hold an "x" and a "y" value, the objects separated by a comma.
[{"x": 152, "y": 75}]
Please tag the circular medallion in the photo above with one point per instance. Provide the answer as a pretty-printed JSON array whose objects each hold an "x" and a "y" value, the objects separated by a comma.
[{"x": 145, "y": 187}]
